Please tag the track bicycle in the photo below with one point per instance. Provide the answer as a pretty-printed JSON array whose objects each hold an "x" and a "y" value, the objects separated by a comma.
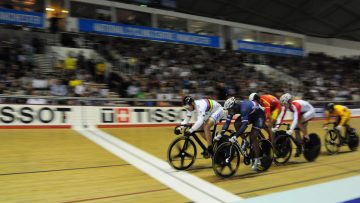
[
  {"x": 334, "y": 140},
  {"x": 182, "y": 151},
  {"x": 283, "y": 146},
  {"x": 226, "y": 160}
]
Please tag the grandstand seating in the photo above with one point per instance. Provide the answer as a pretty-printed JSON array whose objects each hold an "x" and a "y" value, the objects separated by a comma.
[{"x": 145, "y": 69}]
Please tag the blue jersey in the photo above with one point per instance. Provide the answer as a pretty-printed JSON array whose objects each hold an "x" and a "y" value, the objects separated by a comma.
[{"x": 250, "y": 112}]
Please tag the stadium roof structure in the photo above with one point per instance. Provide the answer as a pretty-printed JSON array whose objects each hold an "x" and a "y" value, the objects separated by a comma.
[{"x": 320, "y": 18}]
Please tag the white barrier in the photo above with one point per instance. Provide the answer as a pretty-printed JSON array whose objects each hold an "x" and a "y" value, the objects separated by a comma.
[
  {"x": 39, "y": 115},
  {"x": 101, "y": 116}
]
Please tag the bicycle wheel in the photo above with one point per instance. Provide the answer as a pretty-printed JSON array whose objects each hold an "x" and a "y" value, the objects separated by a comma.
[
  {"x": 226, "y": 160},
  {"x": 282, "y": 148},
  {"x": 266, "y": 155},
  {"x": 332, "y": 142},
  {"x": 353, "y": 139},
  {"x": 181, "y": 153},
  {"x": 216, "y": 144},
  {"x": 312, "y": 147}
]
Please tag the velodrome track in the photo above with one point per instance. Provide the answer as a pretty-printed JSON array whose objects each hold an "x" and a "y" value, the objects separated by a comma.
[{"x": 62, "y": 165}]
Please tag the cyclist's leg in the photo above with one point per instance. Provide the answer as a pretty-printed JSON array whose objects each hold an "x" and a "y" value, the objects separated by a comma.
[
  {"x": 209, "y": 123},
  {"x": 254, "y": 140},
  {"x": 202, "y": 133},
  {"x": 346, "y": 127},
  {"x": 302, "y": 129},
  {"x": 213, "y": 120},
  {"x": 267, "y": 127},
  {"x": 205, "y": 152},
  {"x": 273, "y": 118},
  {"x": 336, "y": 123},
  {"x": 258, "y": 122},
  {"x": 307, "y": 116},
  {"x": 298, "y": 141}
]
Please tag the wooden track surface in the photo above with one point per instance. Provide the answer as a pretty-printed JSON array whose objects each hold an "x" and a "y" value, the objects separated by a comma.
[
  {"x": 246, "y": 183},
  {"x": 63, "y": 166}
]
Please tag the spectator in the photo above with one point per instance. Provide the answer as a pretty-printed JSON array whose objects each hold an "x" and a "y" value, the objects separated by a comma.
[
  {"x": 70, "y": 63},
  {"x": 100, "y": 71},
  {"x": 59, "y": 89}
]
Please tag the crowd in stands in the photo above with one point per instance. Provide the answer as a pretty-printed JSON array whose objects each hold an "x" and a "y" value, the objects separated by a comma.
[
  {"x": 175, "y": 69},
  {"x": 155, "y": 70},
  {"x": 323, "y": 77},
  {"x": 164, "y": 68},
  {"x": 19, "y": 75}
]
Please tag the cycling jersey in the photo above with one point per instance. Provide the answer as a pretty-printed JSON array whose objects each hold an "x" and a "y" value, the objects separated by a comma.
[
  {"x": 204, "y": 108},
  {"x": 342, "y": 112},
  {"x": 299, "y": 108},
  {"x": 250, "y": 112},
  {"x": 272, "y": 106}
]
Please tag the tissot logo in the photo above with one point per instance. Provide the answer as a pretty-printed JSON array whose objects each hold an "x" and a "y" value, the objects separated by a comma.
[
  {"x": 142, "y": 115},
  {"x": 25, "y": 114},
  {"x": 122, "y": 115},
  {"x": 115, "y": 115}
]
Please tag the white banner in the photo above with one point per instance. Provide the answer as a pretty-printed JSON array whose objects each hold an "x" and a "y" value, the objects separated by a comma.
[
  {"x": 40, "y": 115},
  {"x": 48, "y": 115}
]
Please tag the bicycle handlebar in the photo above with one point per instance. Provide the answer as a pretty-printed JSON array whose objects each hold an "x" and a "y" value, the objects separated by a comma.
[{"x": 187, "y": 126}]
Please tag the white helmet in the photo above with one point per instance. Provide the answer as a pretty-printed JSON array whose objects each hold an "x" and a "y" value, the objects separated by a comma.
[
  {"x": 229, "y": 103},
  {"x": 254, "y": 97},
  {"x": 284, "y": 99}
]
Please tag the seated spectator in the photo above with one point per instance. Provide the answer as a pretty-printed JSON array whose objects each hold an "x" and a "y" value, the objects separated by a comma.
[
  {"x": 59, "y": 89},
  {"x": 70, "y": 62},
  {"x": 79, "y": 90},
  {"x": 100, "y": 71},
  {"x": 39, "y": 83}
]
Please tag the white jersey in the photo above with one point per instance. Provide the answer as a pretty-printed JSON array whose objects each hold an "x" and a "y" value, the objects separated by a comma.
[
  {"x": 299, "y": 108},
  {"x": 204, "y": 108}
]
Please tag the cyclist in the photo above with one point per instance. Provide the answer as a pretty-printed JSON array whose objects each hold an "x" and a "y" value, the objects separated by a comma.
[
  {"x": 342, "y": 114},
  {"x": 209, "y": 112},
  {"x": 302, "y": 110},
  {"x": 250, "y": 113},
  {"x": 272, "y": 109}
]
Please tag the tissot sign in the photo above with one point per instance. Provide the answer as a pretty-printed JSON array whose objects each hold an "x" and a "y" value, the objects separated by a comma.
[
  {"x": 32, "y": 114},
  {"x": 141, "y": 115}
]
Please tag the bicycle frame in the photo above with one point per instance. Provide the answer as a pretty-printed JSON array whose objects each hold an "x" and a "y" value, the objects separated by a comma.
[
  {"x": 197, "y": 139},
  {"x": 292, "y": 138},
  {"x": 338, "y": 133}
]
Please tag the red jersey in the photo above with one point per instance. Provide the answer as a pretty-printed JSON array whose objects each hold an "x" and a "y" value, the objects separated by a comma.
[{"x": 270, "y": 103}]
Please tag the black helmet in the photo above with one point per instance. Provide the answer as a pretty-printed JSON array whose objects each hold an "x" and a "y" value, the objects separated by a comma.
[
  {"x": 330, "y": 106},
  {"x": 187, "y": 100}
]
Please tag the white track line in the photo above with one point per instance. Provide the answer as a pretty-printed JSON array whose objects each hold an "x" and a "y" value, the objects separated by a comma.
[
  {"x": 342, "y": 190},
  {"x": 188, "y": 185}
]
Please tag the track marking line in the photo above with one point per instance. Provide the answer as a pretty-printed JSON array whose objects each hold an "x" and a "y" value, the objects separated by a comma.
[
  {"x": 331, "y": 192},
  {"x": 190, "y": 186}
]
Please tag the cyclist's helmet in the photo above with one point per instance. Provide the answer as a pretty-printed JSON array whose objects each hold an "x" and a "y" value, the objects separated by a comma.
[
  {"x": 254, "y": 97},
  {"x": 285, "y": 98},
  {"x": 330, "y": 106},
  {"x": 187, "y": 101},
  {"x": 229, "y": 103}
]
